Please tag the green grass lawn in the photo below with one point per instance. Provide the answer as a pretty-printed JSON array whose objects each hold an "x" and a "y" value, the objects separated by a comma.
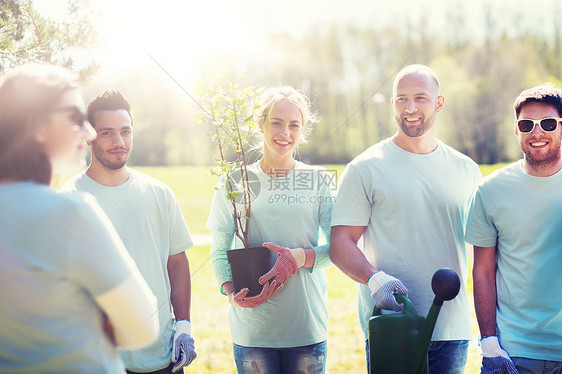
[{"x": 346, "y": 347}]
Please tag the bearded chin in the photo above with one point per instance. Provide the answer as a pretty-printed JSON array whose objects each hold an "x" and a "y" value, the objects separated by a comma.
[
  {"x": 115, "y": 166},
  {"x": 418, "y": 130},
  {"x": 106, "y": 162},
  {"x": 545, "y": 161},
  {"x": 415, "y": 131}
]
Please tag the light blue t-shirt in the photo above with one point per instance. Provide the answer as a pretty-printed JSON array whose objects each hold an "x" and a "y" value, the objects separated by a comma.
[
  {"x": 522, "y": 215},
  {"x": 56, "y": 254},
  {"x": 148, "y": 218},
  {"x": 289, "y": 211},
  {"x": 414, "y": 207}
]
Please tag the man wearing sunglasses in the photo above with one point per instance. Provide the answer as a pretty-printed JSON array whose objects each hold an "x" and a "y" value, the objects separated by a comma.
[{"x": 515, "y": 226}]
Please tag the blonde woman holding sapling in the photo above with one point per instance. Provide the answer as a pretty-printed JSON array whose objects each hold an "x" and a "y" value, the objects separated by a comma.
[{"x": 282, "y": 329}]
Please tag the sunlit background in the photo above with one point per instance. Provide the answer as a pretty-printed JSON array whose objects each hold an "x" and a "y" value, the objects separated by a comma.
[
  {"x": 183, "y": 35},
  {"x": 343, "y": 54}
]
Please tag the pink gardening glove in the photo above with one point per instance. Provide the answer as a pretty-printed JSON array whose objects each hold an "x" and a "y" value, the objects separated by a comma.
[
  {"x": 268, "y": 291},
  {"x": 287, "y": 264}
]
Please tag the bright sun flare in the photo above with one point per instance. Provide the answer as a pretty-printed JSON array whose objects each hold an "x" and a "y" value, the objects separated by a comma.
[{"x": 178, "y": 34}]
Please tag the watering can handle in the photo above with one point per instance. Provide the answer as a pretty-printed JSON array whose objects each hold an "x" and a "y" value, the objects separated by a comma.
[{"x": 409, "y": 308}]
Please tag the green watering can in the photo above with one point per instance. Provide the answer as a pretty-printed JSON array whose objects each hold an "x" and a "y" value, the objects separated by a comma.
[{"x": 398, "y": 343}]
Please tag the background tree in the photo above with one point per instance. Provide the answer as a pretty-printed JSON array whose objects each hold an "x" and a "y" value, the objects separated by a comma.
[{"x": 27, "y": 36}]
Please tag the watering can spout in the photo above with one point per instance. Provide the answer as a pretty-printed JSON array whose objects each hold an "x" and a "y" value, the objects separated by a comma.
[
  {"x": 446, "y": 285},
  {"x": 398, "y": 343}
]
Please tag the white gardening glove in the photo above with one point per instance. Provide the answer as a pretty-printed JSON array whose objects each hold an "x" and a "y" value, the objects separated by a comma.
[
  {"x": 383, "y": 288},
  {"x": 491, "y": 347},
  {"x": 183, "y": 350},
  {"x": 494, "y": 356}
]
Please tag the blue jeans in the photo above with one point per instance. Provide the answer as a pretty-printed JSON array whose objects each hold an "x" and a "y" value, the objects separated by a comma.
[
  {"x": 448, "y": 357},
  {"x": 445, "y": 357},
  {"x": 530, "y": 366},
  {"x": 310, "y": 359}
]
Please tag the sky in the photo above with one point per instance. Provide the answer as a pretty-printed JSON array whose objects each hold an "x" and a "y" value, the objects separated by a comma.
[{"x": 178, "y": 33}]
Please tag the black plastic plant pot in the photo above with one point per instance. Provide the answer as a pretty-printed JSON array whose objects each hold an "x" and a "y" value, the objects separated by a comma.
[{"x": 248, "y": 265}]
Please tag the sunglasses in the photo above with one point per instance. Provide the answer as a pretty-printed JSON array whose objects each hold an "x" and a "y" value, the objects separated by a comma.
[
  {"x": 546, "y": 124},
  {"x": 76, "y": 114}
]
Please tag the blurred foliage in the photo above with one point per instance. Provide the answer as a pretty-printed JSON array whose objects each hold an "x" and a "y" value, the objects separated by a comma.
[
  {"x": 347, "y": 71},
  {"x": 163, "y": 131},
  {"x": 27, "y": 36},
  {"x": 349, "y": 74}
]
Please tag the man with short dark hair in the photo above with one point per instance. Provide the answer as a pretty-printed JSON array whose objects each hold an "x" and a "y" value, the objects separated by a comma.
[
  {"x": 515, "y": 225},
  {"x": 148, "y": 218}
]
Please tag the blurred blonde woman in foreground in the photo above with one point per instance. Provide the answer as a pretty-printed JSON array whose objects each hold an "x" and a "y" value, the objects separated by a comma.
[{"x": 69, "y": 292}]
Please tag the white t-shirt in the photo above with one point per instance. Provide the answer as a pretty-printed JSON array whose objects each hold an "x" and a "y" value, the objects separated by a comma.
[
  {"x": 414, "y": 207},
  {"x": 289, "y": 211},
  {"x": 148, "y": 218},
  {"x": 57, "y": 253},
  {"x": 522, "y": 215}
]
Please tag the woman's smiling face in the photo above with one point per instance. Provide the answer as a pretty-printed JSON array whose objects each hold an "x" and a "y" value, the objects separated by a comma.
[{"x": 282, "y": 129}]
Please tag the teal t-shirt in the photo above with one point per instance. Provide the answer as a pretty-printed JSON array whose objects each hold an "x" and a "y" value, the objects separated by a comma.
[
  {"x": 289, "y": 211},
  {"x": 414, "y": 207},
  {"x": 522, "y": 215},
  {"x": 56, "y": 254},
  {"x": 148, "y": 218}
]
